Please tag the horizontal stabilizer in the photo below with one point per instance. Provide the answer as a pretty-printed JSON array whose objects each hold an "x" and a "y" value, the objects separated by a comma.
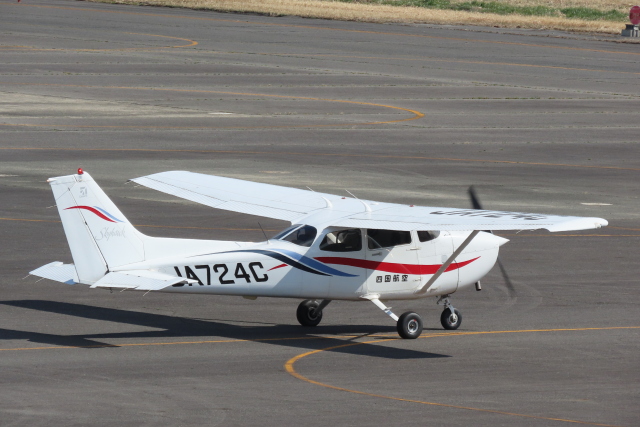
[
  {"x": 65, "y": 273},
  {"x": 140, "y": 280}
]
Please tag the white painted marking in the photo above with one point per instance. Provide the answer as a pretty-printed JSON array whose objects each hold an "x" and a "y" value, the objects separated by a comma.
[
  {"x": 596, "y": 204},
  {"x": 220, "y": 113},
  {"x": 6, "y": 176}
]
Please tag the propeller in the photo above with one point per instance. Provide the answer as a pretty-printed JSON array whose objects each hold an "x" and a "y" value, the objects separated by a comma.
[{"x": 475, "y": 202}]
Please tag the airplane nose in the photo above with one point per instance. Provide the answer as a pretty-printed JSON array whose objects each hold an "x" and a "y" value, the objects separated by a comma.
[
  {"x": 487, "y": 239},
  {"x": 497, "y": 240}
]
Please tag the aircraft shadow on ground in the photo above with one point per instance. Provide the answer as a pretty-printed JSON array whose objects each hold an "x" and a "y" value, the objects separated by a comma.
[{"x": 188, "y": 329}]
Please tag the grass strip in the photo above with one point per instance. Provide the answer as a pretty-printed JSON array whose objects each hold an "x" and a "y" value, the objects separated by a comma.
[
  {"x": 569, "y": 15},
  {"x": 502, "y": 8}
]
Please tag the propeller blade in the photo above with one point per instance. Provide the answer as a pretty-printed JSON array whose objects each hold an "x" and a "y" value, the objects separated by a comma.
[
  {"x": 507, "y": 281},
  {"x": 475, "y": 202}
]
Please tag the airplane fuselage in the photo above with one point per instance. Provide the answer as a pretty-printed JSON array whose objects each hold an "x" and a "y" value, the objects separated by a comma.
[
  {"x": 278, "y": 268},
  {"x": 337, "y": 248}
]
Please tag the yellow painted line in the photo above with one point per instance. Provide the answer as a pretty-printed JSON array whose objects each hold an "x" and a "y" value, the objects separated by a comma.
[
  {"x": 624, "y": 228},
  {"x": 570, "y": 235},
  {"x": 124, "y": 49},
  {"x": 289, "y": 367},
  {"x": 314, "y": 337},
  {"x": 423, "y": 58},
  {"x": 416, "y": 114},
  {"x": 382, "y": 338},
  {"x": 362, "y": 155},
  {"x": 30, "y": 48},
  {"x": 57, "y": 125},
  {"x": 161, "y": 343},
  {"x": 311, "y": 27},
  {"x": 433, "y": 59},
  {"x": 29, "y": 220},
  {"x": 191, "y": 42},
  {"x": 152, "y": 226},
  {"x": 522, "y": 331}
]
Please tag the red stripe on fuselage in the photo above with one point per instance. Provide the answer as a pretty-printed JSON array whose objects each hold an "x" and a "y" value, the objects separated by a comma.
[
  {"x": 93, "y": 210},
  {"x": 277, "y": 266},
  {"x": 390, "y": 267}
]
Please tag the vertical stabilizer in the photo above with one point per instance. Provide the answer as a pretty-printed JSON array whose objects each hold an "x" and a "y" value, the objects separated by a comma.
[{"x": 99, "y": 236}]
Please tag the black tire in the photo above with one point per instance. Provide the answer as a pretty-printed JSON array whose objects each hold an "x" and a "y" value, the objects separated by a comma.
[
  {"x": 446, "y": 320},
  {"x": 409, "y": 325},
  {"x": 307, "y": 315}
]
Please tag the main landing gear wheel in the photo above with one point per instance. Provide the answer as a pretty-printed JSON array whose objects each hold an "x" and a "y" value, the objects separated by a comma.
[
  {"x": 450, "y": 320},
  {"x": 409, "y": 325},
  {"x": 308, "y": 314}
]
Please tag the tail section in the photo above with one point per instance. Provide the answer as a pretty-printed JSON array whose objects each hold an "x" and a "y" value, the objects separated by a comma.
[{"x": 99, "y": 236}]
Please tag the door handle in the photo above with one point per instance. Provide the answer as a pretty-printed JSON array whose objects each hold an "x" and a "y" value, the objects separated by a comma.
[{"x": 376, "y": 253}]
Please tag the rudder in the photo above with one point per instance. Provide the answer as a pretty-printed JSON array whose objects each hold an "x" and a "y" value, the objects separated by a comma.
[{"x": 99, "y": 236}]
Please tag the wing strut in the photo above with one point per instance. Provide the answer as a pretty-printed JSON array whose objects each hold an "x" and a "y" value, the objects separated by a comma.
[
  {"x": 448, "y": 262},
  {"x": 374, "y": 299}
]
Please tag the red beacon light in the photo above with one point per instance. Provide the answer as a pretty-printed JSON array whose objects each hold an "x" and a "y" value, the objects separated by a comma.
[{"x": 80, "y": 171}]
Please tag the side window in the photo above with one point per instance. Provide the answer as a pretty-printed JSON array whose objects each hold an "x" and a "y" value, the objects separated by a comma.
[
  {"x": 387, "y": 238},
  {"x": 342, "y": 241},
  {"x": 425, "y": 236}
]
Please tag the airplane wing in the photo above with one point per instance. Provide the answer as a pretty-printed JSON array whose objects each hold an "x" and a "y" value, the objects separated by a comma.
[
  {"x": 271, "y": 201},
  {"x": 322, "y": 210}
]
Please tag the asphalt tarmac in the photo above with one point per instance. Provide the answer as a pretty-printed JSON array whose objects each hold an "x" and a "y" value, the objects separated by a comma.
[{"x": 537, "y": 121}]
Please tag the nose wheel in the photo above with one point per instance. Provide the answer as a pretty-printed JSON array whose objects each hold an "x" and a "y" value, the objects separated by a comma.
[{"x": 450, "y": 317}]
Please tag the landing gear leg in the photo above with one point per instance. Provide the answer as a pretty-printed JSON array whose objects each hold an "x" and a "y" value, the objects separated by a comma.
[
  {"x": 450, "y": 317},
  {"x": 409, "y": 325},
  {"x": 309, "y": 312}
]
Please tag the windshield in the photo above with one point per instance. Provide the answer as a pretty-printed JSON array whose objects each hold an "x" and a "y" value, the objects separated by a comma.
[{"x": 298, "y": 234}]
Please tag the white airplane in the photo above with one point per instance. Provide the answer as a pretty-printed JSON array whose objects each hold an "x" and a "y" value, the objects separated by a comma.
[{"x": 338, "y": 248}]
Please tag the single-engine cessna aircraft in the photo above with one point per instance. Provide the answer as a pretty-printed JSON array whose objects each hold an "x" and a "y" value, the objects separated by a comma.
[{"x": 337, "y": 248}]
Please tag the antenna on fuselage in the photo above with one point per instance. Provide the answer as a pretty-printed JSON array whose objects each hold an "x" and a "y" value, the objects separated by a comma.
[{"x": 265, "y": 234}]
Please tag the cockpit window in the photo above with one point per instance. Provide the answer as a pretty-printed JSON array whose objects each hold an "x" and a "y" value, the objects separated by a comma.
[
  {"x": 425, "y": 236},
  {"x": 302, "y": 235},
  {"x": 342, "y": 241},
  {"x": 286, "y": 231},
  {"x": 387, "y": 238}
]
